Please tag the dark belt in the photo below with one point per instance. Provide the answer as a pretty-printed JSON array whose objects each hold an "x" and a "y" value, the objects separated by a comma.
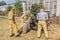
[{"x": 41, "y": 20}]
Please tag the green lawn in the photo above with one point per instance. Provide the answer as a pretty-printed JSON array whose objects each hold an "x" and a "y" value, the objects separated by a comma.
[{"x": 2, "y": 18}]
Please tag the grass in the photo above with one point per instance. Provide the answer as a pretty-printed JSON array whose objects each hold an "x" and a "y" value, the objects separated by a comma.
[
  {"x": 2, "y": 18},
  {"x": 1, "y": 35}
]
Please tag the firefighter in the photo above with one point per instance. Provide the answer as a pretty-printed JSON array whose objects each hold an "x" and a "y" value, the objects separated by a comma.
[
  {"x": 42, "y": 17},
  {"x": 13, "y": 28},
  {"x": 24, "y": 19}
]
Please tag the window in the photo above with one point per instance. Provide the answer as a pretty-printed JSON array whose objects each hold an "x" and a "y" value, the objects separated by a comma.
[
  {"x": 51, "y": 5},
  {"x": 46, "y": 0},
  {"x": 55, "y": 6}
]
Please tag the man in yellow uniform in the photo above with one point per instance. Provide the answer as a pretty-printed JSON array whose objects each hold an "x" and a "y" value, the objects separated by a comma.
[
  {"x": 13, "y": 28},
  {"x": 42, "y": 17},
  {"x": 24, "y": 19}
]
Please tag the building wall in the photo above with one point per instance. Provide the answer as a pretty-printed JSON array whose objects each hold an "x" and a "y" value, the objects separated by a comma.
[
  {"x": 49, "y": 5},
  {"x": 3, "y": 7},
  {"x": 58, "y": 8}
]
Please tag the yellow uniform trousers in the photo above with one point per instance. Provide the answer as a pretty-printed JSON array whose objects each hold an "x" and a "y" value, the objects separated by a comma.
[
  {"x": 21, "y": 27},
  {"x": 42, "y": 24},
  {"x": 28, "y": 24},
  {"x": 13, "y": 28},
  {"x": 23, "y": 19}
]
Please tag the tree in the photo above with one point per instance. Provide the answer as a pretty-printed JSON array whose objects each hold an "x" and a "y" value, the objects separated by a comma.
[
  {"x": 9, "y": 8},
  {"x": 34, "y": 9},
  {"x": 18, "y": 7},
  {"x": 3, "y": 13},
  {"x": 2, "y": 3}
]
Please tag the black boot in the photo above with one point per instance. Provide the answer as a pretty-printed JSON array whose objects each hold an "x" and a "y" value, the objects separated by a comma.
[
  {"x": 17, "y": 36},
  {"x": 12, "y": 35},
  {"x": 46, "y": 38}
]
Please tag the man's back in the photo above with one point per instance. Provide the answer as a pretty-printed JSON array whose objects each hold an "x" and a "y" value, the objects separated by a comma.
[{"x": 42, "y": 16}]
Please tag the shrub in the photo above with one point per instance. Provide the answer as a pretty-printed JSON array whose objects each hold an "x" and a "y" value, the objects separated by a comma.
[{"x": 34, "y": 9}]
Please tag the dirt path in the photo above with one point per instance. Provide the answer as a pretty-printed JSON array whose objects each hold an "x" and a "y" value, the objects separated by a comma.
[{"x": 53, "y": 31}]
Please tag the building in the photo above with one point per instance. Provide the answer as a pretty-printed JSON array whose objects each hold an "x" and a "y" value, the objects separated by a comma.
[
  {"x": 49, "y": 5},
  {"x": 3, "y": 7},
  {"x": 58, "y": 8}
]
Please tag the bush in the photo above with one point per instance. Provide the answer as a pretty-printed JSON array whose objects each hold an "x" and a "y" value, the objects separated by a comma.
[
  {"x": 9, "y": 8},
  {"x": 3, "y": 13},
  {"x": 18, "y": 7},
  {"x": 34, "y": 9}
]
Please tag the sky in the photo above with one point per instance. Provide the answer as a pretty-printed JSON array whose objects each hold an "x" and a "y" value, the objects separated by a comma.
[
  {"x": 12, "y": 1},
  {"x": 9, "y": 1}
]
